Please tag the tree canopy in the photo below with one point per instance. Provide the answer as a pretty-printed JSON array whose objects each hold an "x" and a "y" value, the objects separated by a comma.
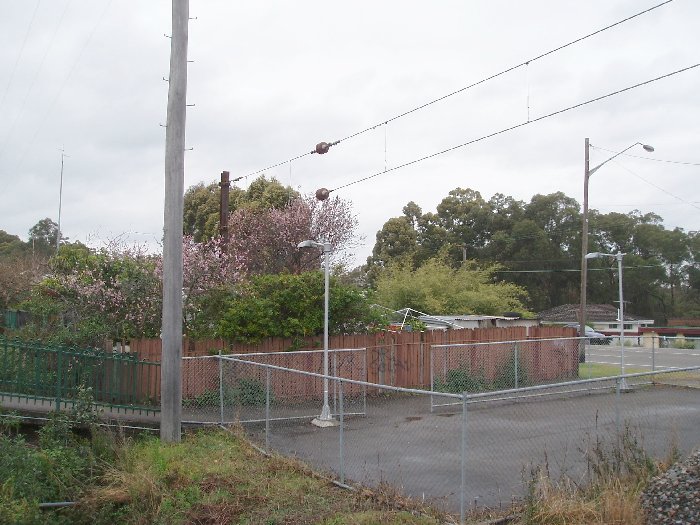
[
  {"x": 435, "y": 287},
  {"x": 537, "y": 246}
]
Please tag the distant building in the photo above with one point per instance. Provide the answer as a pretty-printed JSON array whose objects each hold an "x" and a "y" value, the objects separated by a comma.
[
  {"x": 444, "y": 322},
  {"x": 603, "y": 318},
  {"x": 676, "y": 328}
]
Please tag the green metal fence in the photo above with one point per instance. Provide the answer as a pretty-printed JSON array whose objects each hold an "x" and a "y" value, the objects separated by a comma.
[{"x": 119, "y": 381}]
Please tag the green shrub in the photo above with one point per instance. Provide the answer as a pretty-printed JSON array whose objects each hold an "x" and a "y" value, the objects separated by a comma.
[
  {"x": 460, "y": 380},
  {"x": 246, "y": 392}
]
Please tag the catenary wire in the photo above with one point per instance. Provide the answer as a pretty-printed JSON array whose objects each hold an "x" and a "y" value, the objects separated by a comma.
[
  {"x": 467, "y": 87},
  {"x": 516, "y": 126}
]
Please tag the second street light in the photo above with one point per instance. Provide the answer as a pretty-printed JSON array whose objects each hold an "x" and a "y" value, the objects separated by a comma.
[
  {"x": 325, "y": 419},
  {"x": 618, "y": 256},
  {"x": 584, "y": 233}
]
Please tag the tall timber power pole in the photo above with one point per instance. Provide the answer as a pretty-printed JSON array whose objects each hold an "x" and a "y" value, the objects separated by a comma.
[{"x": 171, "y": 359}]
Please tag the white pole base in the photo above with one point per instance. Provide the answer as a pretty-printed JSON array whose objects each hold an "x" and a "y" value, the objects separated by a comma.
[{"x": 324, "y": 423}]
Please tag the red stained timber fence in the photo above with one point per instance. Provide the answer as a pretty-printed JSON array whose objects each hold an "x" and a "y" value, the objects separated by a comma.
[{"x": 393, "y": 358}]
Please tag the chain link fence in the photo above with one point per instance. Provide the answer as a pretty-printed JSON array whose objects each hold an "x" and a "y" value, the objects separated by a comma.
[
  {"x": 455, "y": 450},
  {"x": 219, "y": 390}
]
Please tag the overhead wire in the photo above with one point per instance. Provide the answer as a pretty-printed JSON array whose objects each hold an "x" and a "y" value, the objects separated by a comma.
[
  {"x": 568, "y": 270},
  {"x": 647, "y": 158},
  {"x": 65, "y": 82},
  {"x": 19, "y": 55},
  {"x": 516, "y": 126},
  {"x": 467, "y": 87},
  {"x": 49, "y": 47},
  {"x": 657, "y": 186}
]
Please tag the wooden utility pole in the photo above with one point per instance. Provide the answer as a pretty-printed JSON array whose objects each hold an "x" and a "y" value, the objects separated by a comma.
[
  {"x": 223, "y": 208},
  {"x": 171, "y": 359},
  {"x": 584, "y": 251}
]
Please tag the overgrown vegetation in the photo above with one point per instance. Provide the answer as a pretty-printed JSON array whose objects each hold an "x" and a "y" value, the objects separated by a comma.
[
  {"x": 617, "y": 473},
  {"x": 68, "y": 455},
  {"x": 246, "y": 392},
  {"x": 217, "y": 477}
]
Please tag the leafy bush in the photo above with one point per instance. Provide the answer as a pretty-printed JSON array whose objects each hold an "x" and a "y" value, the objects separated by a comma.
[
  {"x": 246, "y": 392},
  {"x": 460, "y": 380}
]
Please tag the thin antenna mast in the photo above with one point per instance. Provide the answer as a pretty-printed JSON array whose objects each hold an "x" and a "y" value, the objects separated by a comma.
[{"x": 60, "y": 199}]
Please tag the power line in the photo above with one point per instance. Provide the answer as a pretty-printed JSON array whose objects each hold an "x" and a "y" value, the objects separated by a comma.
[
  {"x": 467, "y": 87},
  {"x": 19, "y": 55},
  {"x": 65, "y": 81},
  {"x": 49, "y": 47},
  {"x": 578, "y": 270},
  {"x": 516, "y": 126},
  {"x": 647, "y": 158},
  {"x": 657, "y": 186}
]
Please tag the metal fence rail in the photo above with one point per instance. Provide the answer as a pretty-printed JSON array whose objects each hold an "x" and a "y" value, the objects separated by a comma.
[
  {"x": 36, "y": 371},
  {"x": 479, "y": 451}
]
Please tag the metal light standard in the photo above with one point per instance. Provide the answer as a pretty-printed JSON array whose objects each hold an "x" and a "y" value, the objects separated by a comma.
[
  {"x": 325, "y": 419},
  {"x": 618, "y": 256},
  {"x": 584, "y": 230}
]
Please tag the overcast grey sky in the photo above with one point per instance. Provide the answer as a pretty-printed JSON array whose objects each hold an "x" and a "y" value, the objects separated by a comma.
[{"x": 271, "y": 79}]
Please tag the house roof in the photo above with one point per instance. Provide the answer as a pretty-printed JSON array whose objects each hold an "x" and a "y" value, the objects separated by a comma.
[{"x": 569, "y": 313}]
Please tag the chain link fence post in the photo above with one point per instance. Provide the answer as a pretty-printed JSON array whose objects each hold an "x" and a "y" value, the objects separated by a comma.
[
  {"x": 653, "y": 353},
  {"x": 341, "y": 432},
  {"x": 335, "y": 383},
  {"x": 267, "y": 408},
  {"x": 432, "y": 379},
  {"x": 364, "y": 387},
  {"x": 515, "y": 365},
  {"x": 588, "y": 360},
  {"x": 221, "y": 389},
  {"x": 618, "y": 383},
  {"x": 463, "y": 461}
]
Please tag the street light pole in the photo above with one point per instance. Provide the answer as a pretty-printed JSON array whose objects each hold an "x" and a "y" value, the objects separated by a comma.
[
  {"x": 618, "y": 256},
  {"x": 587, "y": 172},
  {"x": 325, "y": 419},
  {"x": 584, "y": 250},
  {"x": 623, "y": 384}
]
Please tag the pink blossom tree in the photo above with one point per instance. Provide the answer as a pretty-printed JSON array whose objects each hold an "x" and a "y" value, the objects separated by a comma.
[{"x": 265, "y": 241}]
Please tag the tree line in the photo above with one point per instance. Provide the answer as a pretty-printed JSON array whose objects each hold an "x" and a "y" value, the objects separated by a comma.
[
  {"x": 536, "y": 245},
  {"x": 469, "y": 256}
]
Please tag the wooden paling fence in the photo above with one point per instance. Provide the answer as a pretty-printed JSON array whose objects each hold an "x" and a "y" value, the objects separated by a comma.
[{"x": 393, "y": 358}]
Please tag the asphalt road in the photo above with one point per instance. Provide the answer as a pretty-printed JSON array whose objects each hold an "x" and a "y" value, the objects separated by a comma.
[
  {"x": 644, "y": 358},
  {"x": 402, "y": 443}
]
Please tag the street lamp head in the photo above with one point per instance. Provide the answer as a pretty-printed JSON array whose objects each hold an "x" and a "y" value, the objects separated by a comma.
[
  {"x": 593, "y": 255},
  {"x": 309, "y": 244},
  {"x": 648, "y": 148}
]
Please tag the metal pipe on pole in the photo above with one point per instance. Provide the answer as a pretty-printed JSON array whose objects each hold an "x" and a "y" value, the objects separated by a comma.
[
  {"x": 171, "y": 360},
  {"x": 225, "y": 185},
  {"x": 60, "y": 201}
]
